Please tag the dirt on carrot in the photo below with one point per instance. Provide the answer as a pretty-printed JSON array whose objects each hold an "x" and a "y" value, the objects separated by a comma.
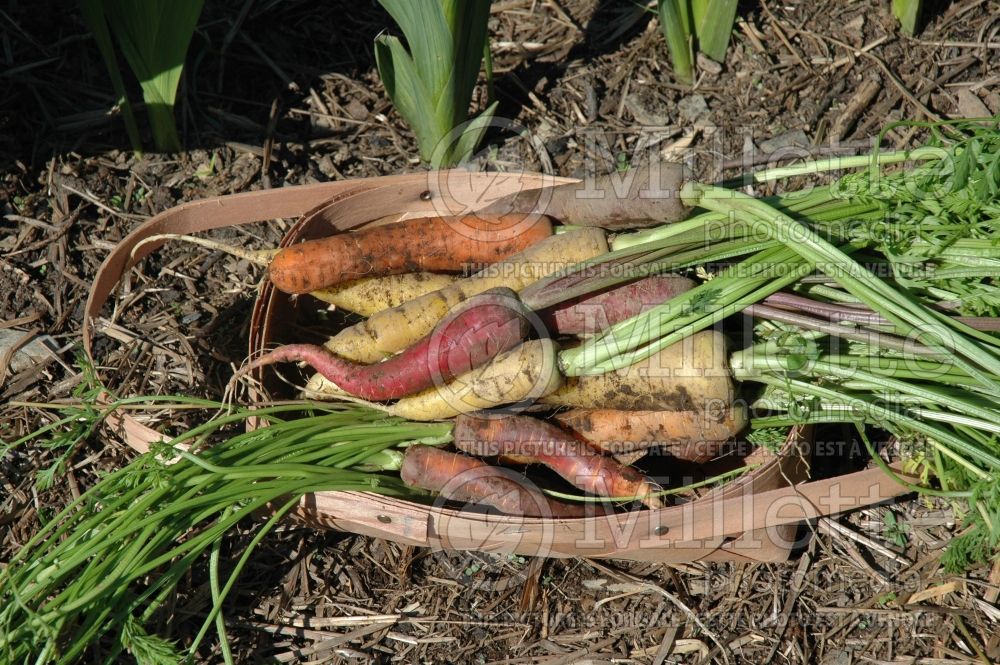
[
  {"x": 694, "y": 436},
  {"x": 691, "y": 375},
  {"x": 373, "y": 294}
]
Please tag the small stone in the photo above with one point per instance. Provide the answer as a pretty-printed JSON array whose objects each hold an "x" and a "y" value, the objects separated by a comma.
[
  {"x": 708, "y": 66},
  {"x": 855, "y": 30},
  {"x": 326, "y": 166},
  {"x": 356, "y": 110},
  {"x": 970, "y": 105},
  {"x": 993, "y": 102},
  {"x": 693, "y": 109},
  {"x": 795, "y": 138},
  {"x": 643, "y": 114},
  {"x": 34, "y": 351},
  {"x": 843, "y": 657}
]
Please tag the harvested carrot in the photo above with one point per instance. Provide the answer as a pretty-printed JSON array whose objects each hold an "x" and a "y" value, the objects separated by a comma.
[
  {"x": 694, "y": 436},
  {"x": 484, "y": 326},
  {"x": 595, "y": 312},
  {"x": 373, "y": 294},
  {"x": 363, "y": 296},
  {"x": 691, "y": 375},
  {"x": 464, "y": 478},
  {"x": 522, "y": 374},
  {"x": 638, "y": 197},
  {"x": 392, "y": 330},
  {"x": 435, "y": 244},
  {"x": 529, "y": 439}
]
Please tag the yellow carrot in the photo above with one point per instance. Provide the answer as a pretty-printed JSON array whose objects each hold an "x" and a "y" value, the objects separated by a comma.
[
  {"x": 373, "y": 294},
  {"x": 691, "y": 375},
  {"x": 521, "y": 374}
]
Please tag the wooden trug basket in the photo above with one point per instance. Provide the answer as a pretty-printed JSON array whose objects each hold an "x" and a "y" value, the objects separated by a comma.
[{"x": 753, "y": 518}]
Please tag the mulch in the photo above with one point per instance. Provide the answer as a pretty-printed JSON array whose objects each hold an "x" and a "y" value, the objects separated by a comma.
[{"x": 286, "y": 93}]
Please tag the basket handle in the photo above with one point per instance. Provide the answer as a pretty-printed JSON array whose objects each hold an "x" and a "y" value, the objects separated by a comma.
[
  {"x": 700, "y": 526},
  {"x": 790, "y": 504}
]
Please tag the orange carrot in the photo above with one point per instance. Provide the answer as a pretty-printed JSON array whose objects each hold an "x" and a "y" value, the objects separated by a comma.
[
  {"x": 695, "y": 436},
  {"x": 464, "y": 478},
  {"x": 526, "y": 439},
  {"x": 434, "y": 244}
]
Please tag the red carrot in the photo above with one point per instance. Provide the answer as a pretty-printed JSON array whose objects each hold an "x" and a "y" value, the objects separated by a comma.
[
  {"x": 595, "y": 312},
  {"x": 528, "y": 440},
  {"x": 464, "y": 478},
  {"x": 484, "y": 326},
  {"x": 435, "y": 244}
]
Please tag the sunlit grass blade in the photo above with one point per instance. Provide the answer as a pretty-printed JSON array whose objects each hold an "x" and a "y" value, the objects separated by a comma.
[
  {"x": 93, "y": 16},
  {"x": 674, "y": 20},
  {"x": 154, "y": 36},
  {"x": 908, "y": 12},
  {"x": 428, "y": 39},
  {"x": 407, "y": 91},
  {"x": 465, "y": 137},
  {"x": 467, "y": 22},
  {"x": 431, "y": 80},
  {"x": 713, "y": 24}
]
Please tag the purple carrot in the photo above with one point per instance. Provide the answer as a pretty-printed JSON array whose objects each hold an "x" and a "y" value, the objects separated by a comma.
[
  {"x": 861, "y": 314},
  {"x": 485, "y": 325},
  {"x": 593, "y": 313}
]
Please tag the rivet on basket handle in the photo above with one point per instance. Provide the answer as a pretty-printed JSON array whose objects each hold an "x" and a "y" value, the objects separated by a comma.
[{"x": 340, "y": 509}]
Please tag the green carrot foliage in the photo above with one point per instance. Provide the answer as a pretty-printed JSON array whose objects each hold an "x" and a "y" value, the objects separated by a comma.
[{"x": 104, "y": 566}]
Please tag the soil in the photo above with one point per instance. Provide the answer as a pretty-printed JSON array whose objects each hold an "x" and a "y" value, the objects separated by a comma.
[{"x": 281, "y": 94}]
